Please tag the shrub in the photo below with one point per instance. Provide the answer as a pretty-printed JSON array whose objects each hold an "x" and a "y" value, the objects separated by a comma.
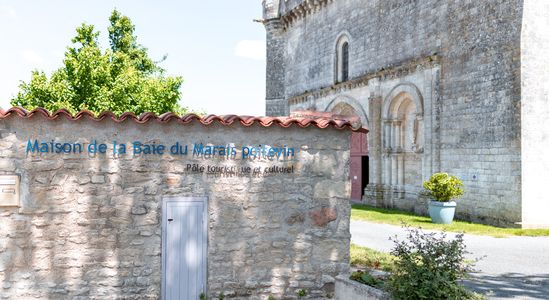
[
  {"x": 429, "y": 267},
  {"x": 443, "y": 187},
  {"x": 367, "y": 278}
]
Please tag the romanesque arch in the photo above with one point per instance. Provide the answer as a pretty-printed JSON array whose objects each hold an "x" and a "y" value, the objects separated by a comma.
[
  {"x": 336, "y": 106},
  {"x": 408, "y": 89},
  {"x": 403, "y": 139}
]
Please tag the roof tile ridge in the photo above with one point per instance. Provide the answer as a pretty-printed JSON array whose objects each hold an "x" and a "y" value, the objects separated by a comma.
[{"x": 244, "y": 120}]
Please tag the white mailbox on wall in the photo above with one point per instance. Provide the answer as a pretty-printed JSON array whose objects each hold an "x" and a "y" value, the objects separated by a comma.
[{"x": 9, "y": 190}]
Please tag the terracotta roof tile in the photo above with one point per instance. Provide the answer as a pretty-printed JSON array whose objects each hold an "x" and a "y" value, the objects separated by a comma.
[{"x": 186, "y": 119}]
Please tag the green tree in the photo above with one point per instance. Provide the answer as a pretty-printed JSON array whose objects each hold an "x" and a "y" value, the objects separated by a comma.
[{"x": 120, "y": 79}]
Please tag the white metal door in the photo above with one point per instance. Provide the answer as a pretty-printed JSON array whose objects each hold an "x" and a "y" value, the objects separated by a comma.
[{"x": 184, "y": 242}]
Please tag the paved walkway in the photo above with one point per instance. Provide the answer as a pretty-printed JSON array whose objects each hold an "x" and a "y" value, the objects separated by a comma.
[{"x": 510, "y": 268}]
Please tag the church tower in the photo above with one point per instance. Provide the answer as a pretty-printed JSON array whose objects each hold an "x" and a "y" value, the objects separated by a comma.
[{"x": 275, "y": 100}]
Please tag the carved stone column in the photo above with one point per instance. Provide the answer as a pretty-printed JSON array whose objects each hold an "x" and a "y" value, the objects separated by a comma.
[
  {"x": 394, "y": 170},
  {"x": 400, "y": 162},
  {"x": 373, "y": 193},
  {"x": 374, "y": 140},
  {"x": 387, "y": 133},
  {"x": 397, "y": 137}
]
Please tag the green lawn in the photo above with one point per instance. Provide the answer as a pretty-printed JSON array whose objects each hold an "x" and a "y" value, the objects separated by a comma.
[
  {"x": 397, "y": 217},
  {"x": 370, "y": 258}
]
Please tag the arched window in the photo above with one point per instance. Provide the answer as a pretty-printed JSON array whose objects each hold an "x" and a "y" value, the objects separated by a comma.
[
  {"x": 342, "y": 59},
  {"x": 345, "y": 61}
]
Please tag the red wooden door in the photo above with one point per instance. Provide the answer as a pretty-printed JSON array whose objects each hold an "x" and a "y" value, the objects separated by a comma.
[{"x": 359, "y": 149}]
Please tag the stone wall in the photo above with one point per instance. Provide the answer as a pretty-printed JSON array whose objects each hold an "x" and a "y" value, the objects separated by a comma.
[
  {"x": 89, "y": 226},
  {"x": 349, "y": 289},
  {"x": 466, "y": 60}
]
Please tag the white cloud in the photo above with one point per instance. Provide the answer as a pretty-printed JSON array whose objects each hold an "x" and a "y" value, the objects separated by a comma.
[
  {"x": 32, "y": 58},
  {"x": 9, "y": 12},
  {"x": 253, "y": 49}
]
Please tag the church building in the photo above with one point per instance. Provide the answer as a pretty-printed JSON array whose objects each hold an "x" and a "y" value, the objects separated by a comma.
[{"x": 442, "y": 86}]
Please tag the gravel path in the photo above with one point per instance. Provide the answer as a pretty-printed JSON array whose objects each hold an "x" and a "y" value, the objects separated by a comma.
[{"x": 510, "y": 268}]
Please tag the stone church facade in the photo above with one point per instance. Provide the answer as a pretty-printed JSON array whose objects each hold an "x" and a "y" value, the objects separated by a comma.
[{"x": 452, "y": 86}]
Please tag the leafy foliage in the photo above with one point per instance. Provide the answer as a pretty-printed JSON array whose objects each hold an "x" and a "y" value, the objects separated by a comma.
[
  {"x": 121, "y": 78},
  {"x": 367, "y": 278},
  {"x": 443, "y": 187},
  {"x": 301, "y": 293},
  {"x": 429, "y": 267}
]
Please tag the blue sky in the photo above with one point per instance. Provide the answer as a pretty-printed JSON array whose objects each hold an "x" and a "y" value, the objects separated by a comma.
[{"x": 213, "y": 44}]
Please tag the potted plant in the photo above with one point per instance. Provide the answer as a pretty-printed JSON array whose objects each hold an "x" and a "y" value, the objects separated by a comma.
[{"x": 442, "y": 188}]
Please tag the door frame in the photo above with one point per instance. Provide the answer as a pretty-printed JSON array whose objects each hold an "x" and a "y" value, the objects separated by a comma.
[
  {"x": 165, "y": 201},
  {"x": 358, "y": 145}
]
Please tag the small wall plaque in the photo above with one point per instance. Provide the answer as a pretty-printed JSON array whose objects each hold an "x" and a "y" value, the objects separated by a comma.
[{"x": 9, "y": 190}]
